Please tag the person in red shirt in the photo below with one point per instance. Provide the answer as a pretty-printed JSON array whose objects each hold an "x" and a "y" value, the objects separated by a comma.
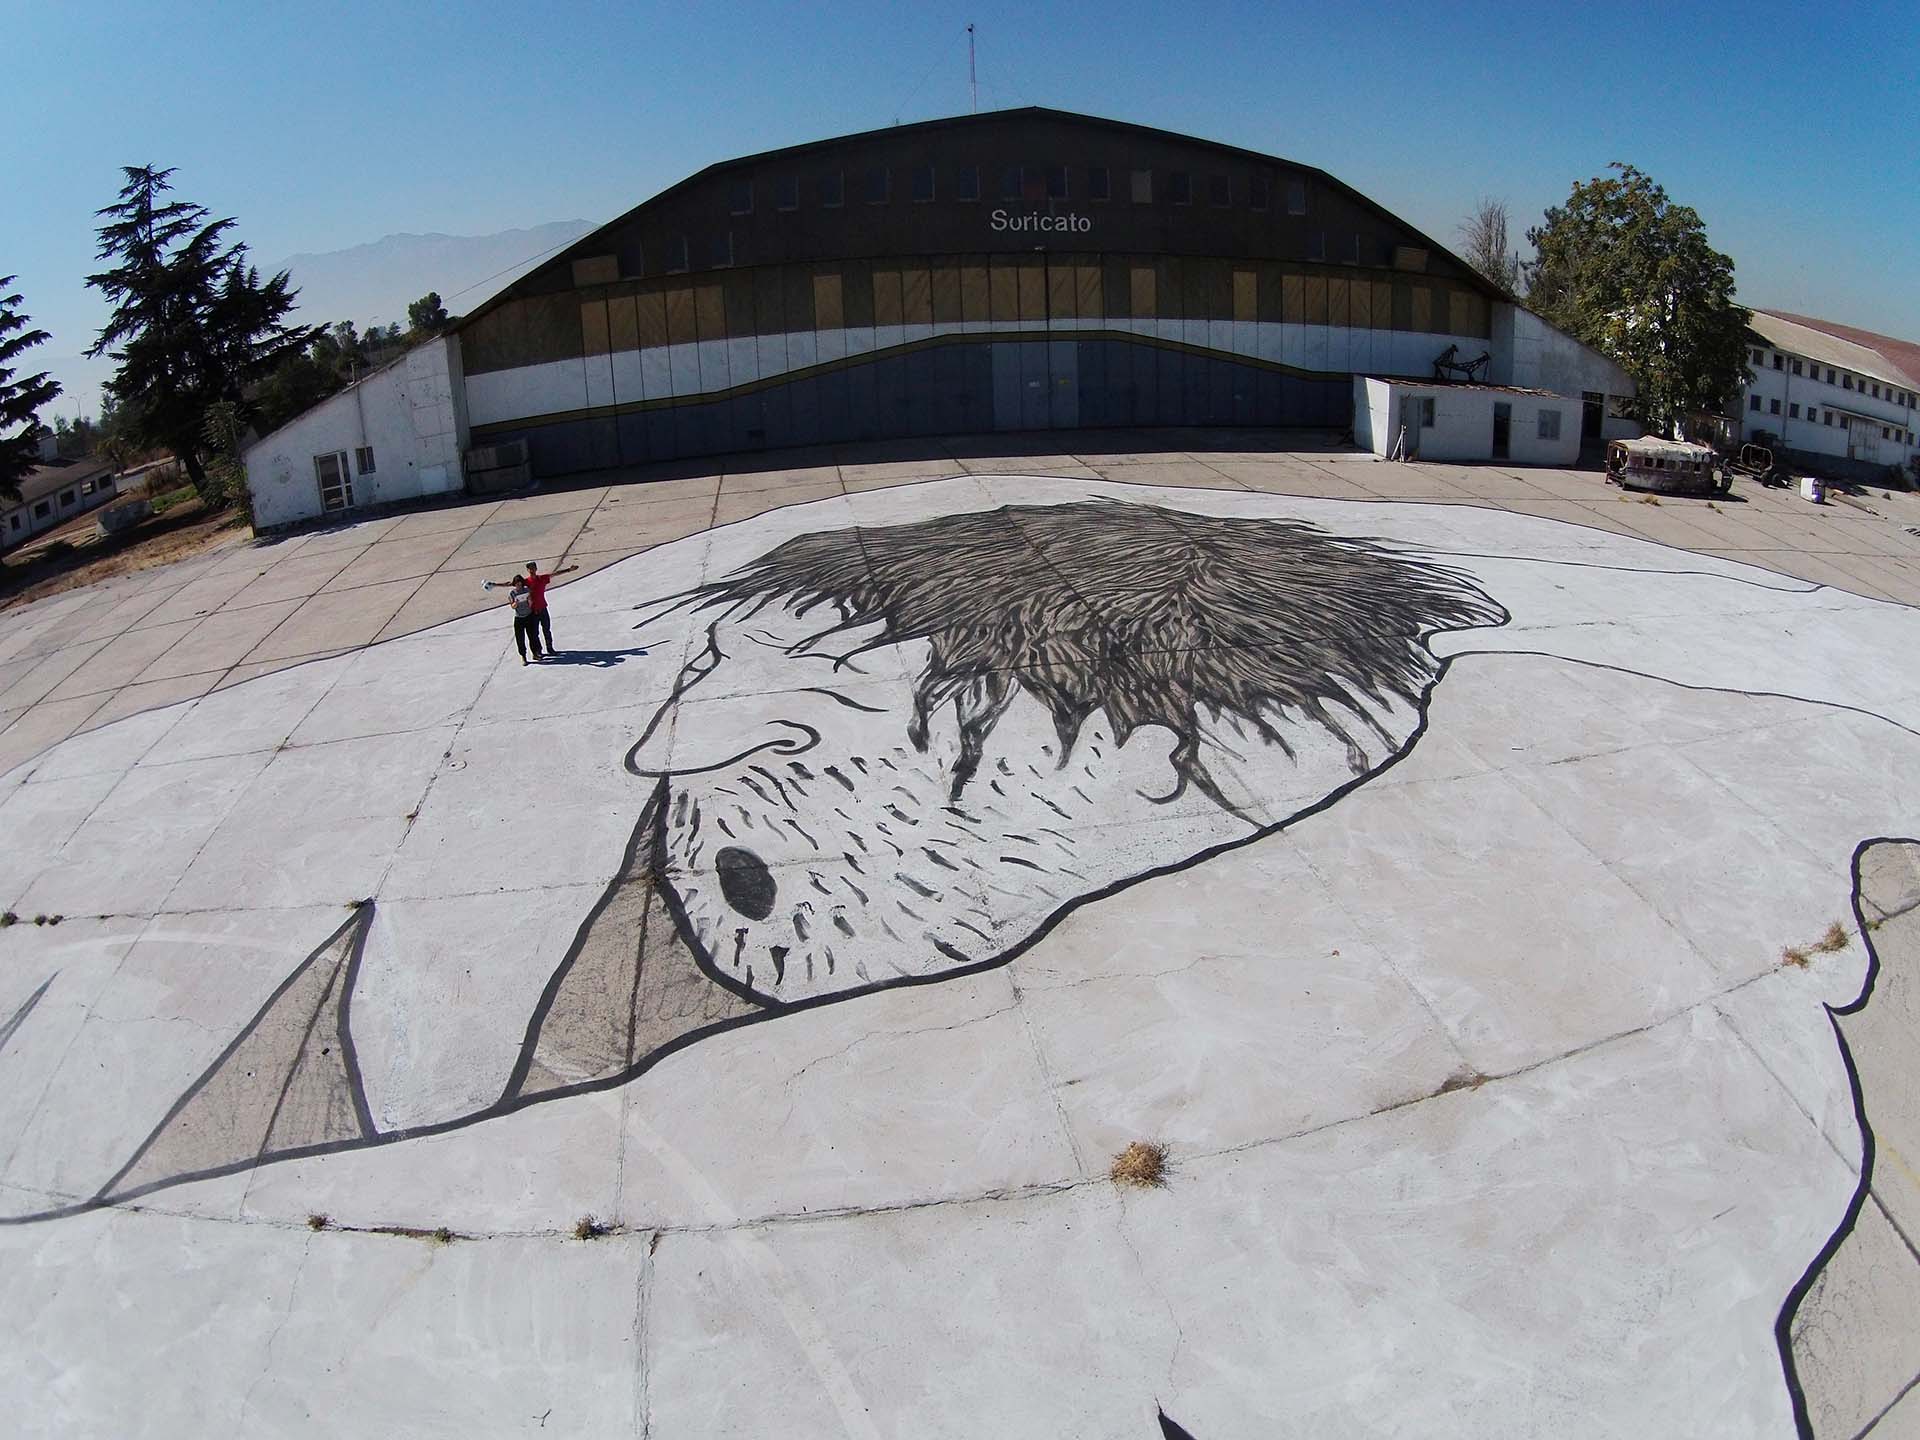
[{"x": 537, "y": 582}]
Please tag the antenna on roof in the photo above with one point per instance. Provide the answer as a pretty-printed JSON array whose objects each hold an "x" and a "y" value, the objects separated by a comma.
[{"x": 973, "y": 78}]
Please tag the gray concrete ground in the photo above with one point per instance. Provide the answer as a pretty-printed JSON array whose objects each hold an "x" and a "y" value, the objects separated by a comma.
[
  {"x": 79, "y": 660},
  {"x": 1533, "y": 1052}
]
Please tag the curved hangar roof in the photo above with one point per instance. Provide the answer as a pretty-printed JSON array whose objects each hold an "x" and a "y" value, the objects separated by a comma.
[{"x": 1003, "y": 182}]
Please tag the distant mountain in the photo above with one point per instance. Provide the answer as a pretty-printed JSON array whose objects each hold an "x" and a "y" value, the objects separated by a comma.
[{"x": 374, "y": 283}]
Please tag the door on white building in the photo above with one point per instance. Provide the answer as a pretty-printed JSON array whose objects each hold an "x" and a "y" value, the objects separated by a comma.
[
  {"x": 336, "y": 481},
  {"x": 1408, "y": 440},
  {"x": 1863, "y": 440},
  {"x": 1502, "y": 429}
]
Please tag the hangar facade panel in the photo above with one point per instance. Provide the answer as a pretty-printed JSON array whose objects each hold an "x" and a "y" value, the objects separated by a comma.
[{"x": 1061, "y": 270}]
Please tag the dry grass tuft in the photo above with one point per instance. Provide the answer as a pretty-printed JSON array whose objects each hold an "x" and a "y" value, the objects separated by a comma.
[
  {"x": 1649, "y": 499},
  {"x": 1462, "y": 1080},
  {"x": 1833, "y": 940},
  {"x": 1143, "y": 1164},
  {"x": 318, "y": 1222},
  {"x": 588, "y": 1228},
  {"x": 443, "y": 1236}
]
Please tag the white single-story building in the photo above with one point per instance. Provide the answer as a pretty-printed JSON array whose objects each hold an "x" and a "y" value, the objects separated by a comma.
[
  {"x": 1455, "y": 420},
  {"x": 52, "y": 494},
  {"x": 397, "y": 434}
]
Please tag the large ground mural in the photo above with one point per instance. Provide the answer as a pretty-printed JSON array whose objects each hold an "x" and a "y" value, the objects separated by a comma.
[{"x": 1453, "y": 890}]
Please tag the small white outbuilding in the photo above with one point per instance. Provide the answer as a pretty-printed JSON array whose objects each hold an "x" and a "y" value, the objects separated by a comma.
[
  {"x": 398, "y": 433},
  {"x": 1452, "y": 420}
]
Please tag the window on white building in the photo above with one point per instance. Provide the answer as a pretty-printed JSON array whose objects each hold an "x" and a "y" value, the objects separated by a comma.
[
  {"x": 1796, "y": 367},
  {"x": 1759, "y": 357},
  {"x": 1549, "y": 424},
  {"x": 1793, "y": 411},
  {"x": 1778, "y": 362},
  {"x": 1830, "y": 377},
  {"x": 1141, "y": 184},
  {"x": 1773, "y": 406},
  {"x": 1753, "y": 403},
  {"x": 1426, "y": 412},
  {"x": 363, "y": 459}
]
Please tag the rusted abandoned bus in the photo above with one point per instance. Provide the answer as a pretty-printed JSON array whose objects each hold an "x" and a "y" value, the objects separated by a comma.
[{"x": 1666, "y": 467}]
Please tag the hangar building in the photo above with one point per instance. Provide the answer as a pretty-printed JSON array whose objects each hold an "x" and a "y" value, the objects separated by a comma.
[{"x": 1017, "y": 270}]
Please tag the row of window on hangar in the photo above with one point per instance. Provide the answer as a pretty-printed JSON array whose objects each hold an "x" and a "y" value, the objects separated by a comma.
[
  {"x": 1847, "y": 379},
  {"x": 827, "y": 190},
  {"x": 1833, "y": 417},
  {"x": 1087, "y": 289}
]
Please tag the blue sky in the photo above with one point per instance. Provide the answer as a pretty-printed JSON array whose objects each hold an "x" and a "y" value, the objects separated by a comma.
[{"x": 1789, "y": 128}]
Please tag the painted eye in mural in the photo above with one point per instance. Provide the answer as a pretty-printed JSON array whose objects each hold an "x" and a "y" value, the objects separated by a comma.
[{"x": 745, "y": 881}]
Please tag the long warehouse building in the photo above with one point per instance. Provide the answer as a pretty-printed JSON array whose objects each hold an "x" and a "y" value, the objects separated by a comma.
[{"x": 1018, "y": 270}]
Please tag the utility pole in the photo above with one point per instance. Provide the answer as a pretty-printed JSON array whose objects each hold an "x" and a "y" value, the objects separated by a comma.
[{"x": 973, "y": 78}]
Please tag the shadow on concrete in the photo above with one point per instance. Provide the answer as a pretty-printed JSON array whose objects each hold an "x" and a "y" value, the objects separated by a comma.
[
  {"x": 1170, "y": 441},
  {"x": 598, "y": 659}
]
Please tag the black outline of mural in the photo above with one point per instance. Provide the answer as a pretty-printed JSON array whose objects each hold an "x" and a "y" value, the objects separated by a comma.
[
  {"x": 650, "y": 831},
  {"x": 1783, "y": 1324},
  {"x": 652, "y": 820}
]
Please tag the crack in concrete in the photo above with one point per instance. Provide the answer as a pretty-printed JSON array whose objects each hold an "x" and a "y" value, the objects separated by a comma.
[
  {"x": 989, "y": 1195},
  {"x": 266, "y": 1361},
  {"x": 642, "y": 1326},
  {"x": 1047, "y": 1078},
  {"x": 875, "y": 1035}
]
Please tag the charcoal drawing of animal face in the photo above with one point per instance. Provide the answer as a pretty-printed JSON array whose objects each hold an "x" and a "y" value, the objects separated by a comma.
[{"x": 901, "y": 750}]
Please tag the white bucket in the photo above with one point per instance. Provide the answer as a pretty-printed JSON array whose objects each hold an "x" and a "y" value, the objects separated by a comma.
[{"x": 1814, "y": 489}]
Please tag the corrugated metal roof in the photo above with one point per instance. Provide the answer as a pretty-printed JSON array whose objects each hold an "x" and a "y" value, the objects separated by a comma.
[
  {"x": 45, "y": 480},
  {"x": 1878, "y": 357},
  {"x": 1428, "y": 382}
]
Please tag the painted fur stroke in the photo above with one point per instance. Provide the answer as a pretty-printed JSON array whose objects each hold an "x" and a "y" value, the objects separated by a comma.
[{"x": 959, "y": 728}]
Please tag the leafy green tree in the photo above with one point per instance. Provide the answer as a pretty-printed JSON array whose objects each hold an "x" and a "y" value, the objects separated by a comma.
[
  {"x": 193, "y": 323},
  {"x": 20, "y": 399},
  {"x": 73, "y": 438},
  {"x": 427, "y": 316},
  {"x": 117, "y": 431},
  {"x": 224, "y": 432},
  {"x": 1627, "y": 271}
]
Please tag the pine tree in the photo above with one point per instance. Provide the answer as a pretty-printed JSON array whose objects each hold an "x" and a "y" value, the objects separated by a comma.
[
  {"x": 21, "y": 399},
  {"x": 193, "y": 323}
]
